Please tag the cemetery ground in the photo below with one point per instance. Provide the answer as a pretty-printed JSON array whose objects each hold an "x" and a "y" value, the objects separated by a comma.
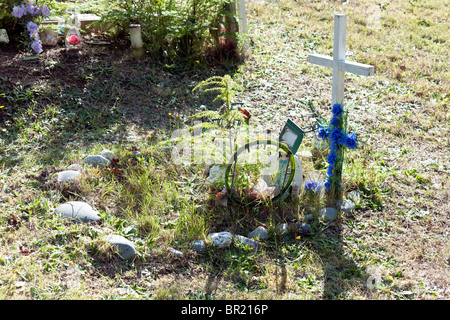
[{"x": 58, "y": 110}]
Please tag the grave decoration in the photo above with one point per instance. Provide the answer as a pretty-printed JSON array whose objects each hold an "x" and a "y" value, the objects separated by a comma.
[
  {"x": 338, "y": 138},
  {"x": 281, "y": 172},
  {"x": 336, "y": 131},
  {"x": 136, "y": 40},
  {"x": 30, "y": 14},
  {"x": 73, "y": 40}
]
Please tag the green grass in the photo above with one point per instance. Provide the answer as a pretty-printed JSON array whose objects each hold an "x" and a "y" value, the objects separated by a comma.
[{"x": 397, "y": 235}]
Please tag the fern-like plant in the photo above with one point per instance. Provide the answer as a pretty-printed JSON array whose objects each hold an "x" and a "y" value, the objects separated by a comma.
[{"x": 227, "y": 89}]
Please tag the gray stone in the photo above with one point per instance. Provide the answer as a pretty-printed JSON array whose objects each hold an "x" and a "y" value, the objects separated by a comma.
[
  {"x": 259, "y": 233},
  {"x": 282, "y": 229},
  {"x": 107, "y": 154},
  {"x": 75, "y": 166},
  {"x": 309, "y": 217},
  {"x": 221, "y": 239},
  {"x": 78, "y": 211},
  {"x": 175, "y": 252},
  {"x": 346, "y": 206},
  {"x": 125, "y": 247},
  {"x": 247, "y": 242},
  {"x": 328, "y": 214},
  {"x": 304, "y": 228},
  {"x": 198, "y": 245},
  {"x": 68, "y": 175},
  {"x": 96, "y": 161}
]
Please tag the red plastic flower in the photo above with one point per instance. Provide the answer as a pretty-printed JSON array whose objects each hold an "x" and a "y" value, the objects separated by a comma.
[
  {"x": 246, "y": 114},
  {"x": 74, "y": 40}
]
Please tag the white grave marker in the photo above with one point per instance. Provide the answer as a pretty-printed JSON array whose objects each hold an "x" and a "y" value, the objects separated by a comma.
[
  {"x": 242, "y": 16},
  {"x": 338, "y": 63}
]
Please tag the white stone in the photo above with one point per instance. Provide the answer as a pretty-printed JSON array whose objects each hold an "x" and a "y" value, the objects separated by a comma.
[
  {"x": 126, "y": 248},
  {"x": 282, "y": 229},
  {"x": 107, "y": 154},
  {"x": 4, "y": 36},
  {"x": 198, "y": 245},
  {"x": 78, "y": 211},
  {"x": 354, "y": 196},
  {"x": 96, "y": 161},
  {"x": 259, "y": 233},
  {"x": 68, "y": 175},
  {"x": 247, "y": 242},
  {"x": 328, "y": 214},
  {"x": 75, "y": 166},
  {"x": 346, "y": 205},
  {"x": 304, "y": 154},
  {"x": 175, "y": 252},
  {"x": 221, "y": 239}
]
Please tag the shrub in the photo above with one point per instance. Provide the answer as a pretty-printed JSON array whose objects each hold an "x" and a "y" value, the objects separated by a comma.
[{"x": 173, "y": 28}]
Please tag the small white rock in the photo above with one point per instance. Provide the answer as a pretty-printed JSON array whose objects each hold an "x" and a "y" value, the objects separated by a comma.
[
  {"x": 107, "y": 154},
  {"x": 175, "y": 252},
  {"x": 328, "y": 214},
  {"x": 346, "y": 205},
  {"x": 221, "y": 239},
  {"x": 75, "y": 166},
  {"x": 96, "y": 161},
  {"x": 247, "y": 242},
  {"x": 259, "y": 233},
  {"x": 68, "y": 175}
]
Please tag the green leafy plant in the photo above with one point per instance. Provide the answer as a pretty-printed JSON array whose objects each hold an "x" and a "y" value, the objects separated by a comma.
[
  {"x": 227, "y": 89},
  {"x": 170, "y": 28}
]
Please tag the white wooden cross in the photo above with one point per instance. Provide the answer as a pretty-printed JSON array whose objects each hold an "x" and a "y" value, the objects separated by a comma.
[{"x": 338, "y": 63}]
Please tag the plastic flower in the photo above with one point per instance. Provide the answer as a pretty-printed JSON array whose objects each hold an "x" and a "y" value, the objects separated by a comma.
[
  {"x": 74, "y": 40},
  {"x": 327, "y": 185},
  {"x": 36, "y": 46},
  {"x": 337, "y": 109},
  {"x": 19, "y": 11},
  {"x": 332, "y": 157},
  {"x": 34, "y": 36},
  {"x": 312, "y": 186},
  {"x": 45, "y": 11},
  {"x": 330, "y": 171},
  {"x": 32, "y": 27},
  {"x": 334, "y": 121},
  {"x": 33, "y": 9},
  {"x": 322, "y": 133},
  {"x": 350, "y": 141},
  {"x": 336, "y": 135},
  {"x": 333, "y": 147}
]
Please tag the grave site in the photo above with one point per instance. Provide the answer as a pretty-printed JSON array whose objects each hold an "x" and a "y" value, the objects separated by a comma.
[{"x": 224, "y": 150}]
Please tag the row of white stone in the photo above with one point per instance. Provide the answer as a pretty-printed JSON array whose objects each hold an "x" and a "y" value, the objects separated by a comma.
[{"x": 82, "y": 212}]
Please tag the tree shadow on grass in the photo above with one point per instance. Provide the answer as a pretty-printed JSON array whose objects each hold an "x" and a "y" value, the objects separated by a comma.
[
  {"x": 58, "y": 104},
  {"x": 321, "y": 250},
  {"x": 341, "y": 273}
]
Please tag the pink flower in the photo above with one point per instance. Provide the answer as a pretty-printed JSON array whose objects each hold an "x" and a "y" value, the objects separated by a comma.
[{"x": 74, "y": 40}]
